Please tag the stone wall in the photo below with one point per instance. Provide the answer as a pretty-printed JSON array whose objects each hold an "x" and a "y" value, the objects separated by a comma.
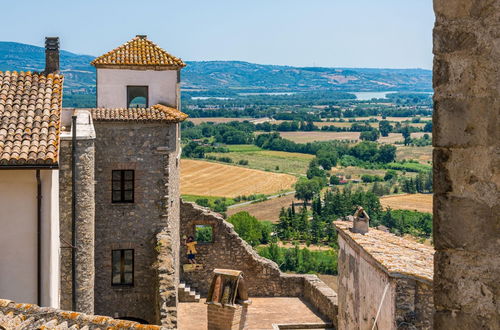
[
  {"x": 150, "y": 149},
  {"x": 408, "y": 303},
  {"x": 466, "y": 143},
  {"x": 322, "y": 297},
  {"x": 414, "y": 304},
  {"x": 228, "y": 250},
  {"x": 85, "y": 213},
  {"x": 28, "y": 316},
  {"x": 262, "y": 276}
]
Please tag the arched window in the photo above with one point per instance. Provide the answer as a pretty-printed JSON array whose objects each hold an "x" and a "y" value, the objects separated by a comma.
[{"x": 137, "y": 97}]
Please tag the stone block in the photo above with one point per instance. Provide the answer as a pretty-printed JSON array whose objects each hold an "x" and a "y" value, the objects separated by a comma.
[
  {"x": 478, "y": 233},
  {"x": 467, "y": 281},
  {"x": 466, "y": 122}
]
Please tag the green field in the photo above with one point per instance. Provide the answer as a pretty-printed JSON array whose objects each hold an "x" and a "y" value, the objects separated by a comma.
[{"x": 268, "y": 160}]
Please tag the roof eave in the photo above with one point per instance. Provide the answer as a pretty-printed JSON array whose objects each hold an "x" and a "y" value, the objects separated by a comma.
[{"x": 139, "y": 67}]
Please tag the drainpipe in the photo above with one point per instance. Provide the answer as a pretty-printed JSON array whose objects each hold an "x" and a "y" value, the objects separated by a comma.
[
  {"x": 73, "y": 214},
  {"x": 39, "y": 237}
]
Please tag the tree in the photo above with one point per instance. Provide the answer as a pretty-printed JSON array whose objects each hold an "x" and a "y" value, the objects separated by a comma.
[
  {"x": 371, "y": 135},
  {"x": 306, "y": 189},
  {"x": 384, "y": 127},
  {"x": 247, "y": 226},
  {"x": 386, "y": 153},
  {"x": 405, "y": 131},
  {"x": 334, "y": 180}
]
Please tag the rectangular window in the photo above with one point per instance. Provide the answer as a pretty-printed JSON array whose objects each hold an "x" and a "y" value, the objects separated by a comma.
[
  {"x": 122, "y": 267},
  {"x": 204, "y": 233},
  {"x": 137, "y": 97},
  {"x": 122, "y": 186}
]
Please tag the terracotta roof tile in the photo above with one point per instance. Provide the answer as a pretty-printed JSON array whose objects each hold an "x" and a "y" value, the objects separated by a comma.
[
  {"x": 157, "y": 112},
  {"x": 30, "y": 108},
  {"x": 138, "y": 52},
  {"x": 395, "y": 254}
]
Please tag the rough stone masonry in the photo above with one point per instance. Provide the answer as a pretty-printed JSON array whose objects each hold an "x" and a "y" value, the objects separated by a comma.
[{"x": 466, "y": 139}]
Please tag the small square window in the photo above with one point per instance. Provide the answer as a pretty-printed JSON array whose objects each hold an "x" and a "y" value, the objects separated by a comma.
[
  {"x": 122, "y": 270},
  {"x": 122, "y": 186},
  {"x": 204, "y": 233},
  {"x": 137, "y": 96}
]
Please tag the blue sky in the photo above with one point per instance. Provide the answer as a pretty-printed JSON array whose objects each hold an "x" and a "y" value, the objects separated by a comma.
[{"x": 333, "y": 33}]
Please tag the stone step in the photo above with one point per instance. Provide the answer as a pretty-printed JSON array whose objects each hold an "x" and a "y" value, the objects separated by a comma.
[{"x": 187, "y": 294}]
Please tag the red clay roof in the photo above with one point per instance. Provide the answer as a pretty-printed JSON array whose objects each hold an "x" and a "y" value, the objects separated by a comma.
[
  {"x": 138, "y": 52},
  {"x": 157, "y": 112},
  {"x": 30, "y": 109}
]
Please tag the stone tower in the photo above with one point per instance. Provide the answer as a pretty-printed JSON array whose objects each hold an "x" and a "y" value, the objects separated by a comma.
[{"x": 137, "y": 176}]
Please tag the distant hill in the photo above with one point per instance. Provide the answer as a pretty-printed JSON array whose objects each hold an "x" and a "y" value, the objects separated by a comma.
[{"x": 217, "y": 75}]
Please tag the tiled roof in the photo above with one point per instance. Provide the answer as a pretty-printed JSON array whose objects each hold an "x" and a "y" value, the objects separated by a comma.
[
  {"x": 397, "y": 255},
  {"x": 157, "y": 112},
  {"x": 30, "y": 108},
  {"x": 138, "y": 52},
  {"x": 29, "y": 316}
]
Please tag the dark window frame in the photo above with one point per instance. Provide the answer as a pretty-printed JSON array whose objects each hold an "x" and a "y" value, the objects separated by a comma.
[
  {"x": 129, "y": 98},
  {"x": 122, "y": 181},
  {"x": 122, "y": 268}
]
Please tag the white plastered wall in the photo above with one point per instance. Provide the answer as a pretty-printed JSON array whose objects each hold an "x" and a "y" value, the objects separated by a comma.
[
  {"x": 112, "y": 86},
  {"x": 18, "y": 236}
]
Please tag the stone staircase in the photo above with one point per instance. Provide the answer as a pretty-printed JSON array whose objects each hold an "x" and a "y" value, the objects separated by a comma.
[{"x": 187, "y": 294}]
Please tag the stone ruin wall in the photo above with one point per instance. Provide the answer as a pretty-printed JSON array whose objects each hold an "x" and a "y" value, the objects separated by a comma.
[
  {"x": 466, "y": 139},
  {"x": 263, "y": 276},
  {"x": 408, "y": 303}
]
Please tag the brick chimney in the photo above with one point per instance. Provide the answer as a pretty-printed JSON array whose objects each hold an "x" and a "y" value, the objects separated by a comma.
[{"x": 51, "y": 55}]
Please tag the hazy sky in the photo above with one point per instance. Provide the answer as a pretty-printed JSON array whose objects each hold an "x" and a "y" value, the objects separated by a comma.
[{"x": 340, "y": 33}]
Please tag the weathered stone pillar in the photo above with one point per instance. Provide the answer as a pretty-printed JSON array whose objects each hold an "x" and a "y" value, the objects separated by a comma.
[
  {"x": 466, "y": 138},
  {"x": 85, "y": 224},
  {"x": 85, "y": 216}
]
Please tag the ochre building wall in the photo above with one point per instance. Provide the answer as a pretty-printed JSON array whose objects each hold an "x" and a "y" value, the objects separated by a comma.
[{"x": 466, "y": 139}]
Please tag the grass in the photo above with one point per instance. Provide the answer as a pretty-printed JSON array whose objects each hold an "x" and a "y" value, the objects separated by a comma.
[
  {"x": 268, "y": 160},
  {"x": 211, "y": 199},
  {"x": 242, "y": 147}
]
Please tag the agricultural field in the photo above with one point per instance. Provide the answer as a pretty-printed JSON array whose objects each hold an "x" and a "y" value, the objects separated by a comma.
[
  {"x": 422, "y": 154},
  {"x": 203, "y": 178},
  {"x": 347, "y": 123},
  {"x": 267, "y": 210},
  {"x": 413, "y": 202},
  {"x": 268, "y": 160},
  {"x": 391, "y": 119},
  {"x": 304, "y": 137},
  {"x": 356, "y": 172},
  {"x": 217, "y": 120}
]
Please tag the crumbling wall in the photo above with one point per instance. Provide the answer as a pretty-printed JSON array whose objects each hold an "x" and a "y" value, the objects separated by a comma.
[
  {"x": 466, "y": 139},
  {"x": 414, "y": 304},
  {"x": 263, "y": 276},
  {"x": 228, "y": 250}
]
